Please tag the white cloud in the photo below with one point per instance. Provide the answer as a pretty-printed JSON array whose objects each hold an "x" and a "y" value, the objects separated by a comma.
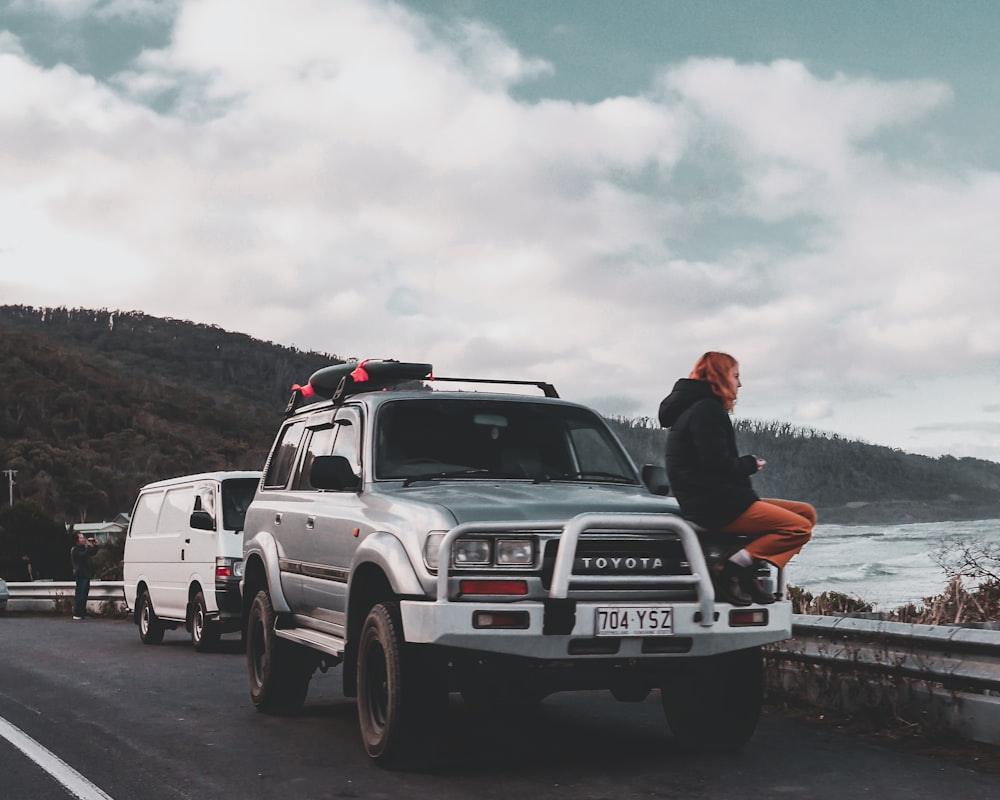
[{"x": 365, "y": 185}]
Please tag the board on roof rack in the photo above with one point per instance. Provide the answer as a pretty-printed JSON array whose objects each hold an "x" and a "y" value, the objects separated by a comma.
[{"x": 339, "y": 380}]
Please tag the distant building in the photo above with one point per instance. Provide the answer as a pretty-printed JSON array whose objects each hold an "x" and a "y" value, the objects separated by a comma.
[{"x": 103, "y": 532}]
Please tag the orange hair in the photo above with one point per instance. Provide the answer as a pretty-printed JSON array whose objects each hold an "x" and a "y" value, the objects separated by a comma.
[{"x": 715, "y": 369}]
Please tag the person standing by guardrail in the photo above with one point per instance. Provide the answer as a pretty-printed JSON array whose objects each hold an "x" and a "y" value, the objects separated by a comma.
[{"x": 81, "y": 554}]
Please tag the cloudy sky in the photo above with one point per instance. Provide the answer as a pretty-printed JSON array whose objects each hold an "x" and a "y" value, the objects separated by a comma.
[{"x": 590, "y": 193}]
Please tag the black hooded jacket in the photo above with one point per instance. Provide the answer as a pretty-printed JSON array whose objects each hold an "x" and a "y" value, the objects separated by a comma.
[{"x": 709, "y": 478}]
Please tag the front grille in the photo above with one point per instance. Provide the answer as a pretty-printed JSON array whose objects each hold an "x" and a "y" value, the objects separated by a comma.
[{"x": 623, "y": 556}]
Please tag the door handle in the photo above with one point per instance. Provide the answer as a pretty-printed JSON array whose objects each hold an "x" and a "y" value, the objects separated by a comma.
[
  {"x": 277, "y": 518},
  {"x": 310, "y": 523}
]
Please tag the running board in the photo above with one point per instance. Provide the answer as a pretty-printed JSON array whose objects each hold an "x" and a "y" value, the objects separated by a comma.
[{"x": 317, "y": 640}]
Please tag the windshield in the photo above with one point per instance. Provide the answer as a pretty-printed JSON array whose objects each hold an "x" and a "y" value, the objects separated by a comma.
[
  {"x": 236, "y": 496},
  {"x": 434, "y": 438}
]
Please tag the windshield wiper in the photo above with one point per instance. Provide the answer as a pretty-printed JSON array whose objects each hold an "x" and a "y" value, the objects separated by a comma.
[{"x": 596, "y": 475}]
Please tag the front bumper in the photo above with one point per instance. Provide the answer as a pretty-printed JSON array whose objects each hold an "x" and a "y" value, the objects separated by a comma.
[
  {"x": 564, "y": 625},
  {"x": 451, "y": 624}
]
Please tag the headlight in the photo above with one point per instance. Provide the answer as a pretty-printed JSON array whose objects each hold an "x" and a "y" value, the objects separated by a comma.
[
  {"x": 515, "y": 552},
  {"x": 472, "y": 551}
]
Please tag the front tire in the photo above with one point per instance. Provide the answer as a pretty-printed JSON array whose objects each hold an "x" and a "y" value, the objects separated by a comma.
[
  {"x": 204, "y": 632},
  {"x": 401, "y": 687},
  {"x": 713, "y": 704},
  {"x": 150, "y": 628},
  {"x": 279, "y": 671}
]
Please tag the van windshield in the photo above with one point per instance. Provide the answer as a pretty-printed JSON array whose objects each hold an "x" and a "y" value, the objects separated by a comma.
[{"x": 236, "y": 496}]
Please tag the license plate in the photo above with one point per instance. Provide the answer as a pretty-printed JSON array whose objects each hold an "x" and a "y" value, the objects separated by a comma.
[{"x": 634, "y": 621}]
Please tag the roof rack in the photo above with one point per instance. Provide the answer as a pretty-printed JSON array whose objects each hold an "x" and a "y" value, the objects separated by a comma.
[
  {"x": 342, "y": 380},
  {"x": 547, "y": 388}
]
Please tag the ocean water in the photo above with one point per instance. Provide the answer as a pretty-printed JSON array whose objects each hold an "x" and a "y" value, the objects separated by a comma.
[{"x": 885, "y": 565}]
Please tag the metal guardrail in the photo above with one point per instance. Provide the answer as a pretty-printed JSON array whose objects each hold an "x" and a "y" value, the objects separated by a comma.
[
  {"x": 42, "y": 595},
  {"x": 947, "y": 676}
]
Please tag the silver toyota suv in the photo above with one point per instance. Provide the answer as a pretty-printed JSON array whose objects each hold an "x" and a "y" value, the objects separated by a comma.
[{"x": 502, "y": 546}]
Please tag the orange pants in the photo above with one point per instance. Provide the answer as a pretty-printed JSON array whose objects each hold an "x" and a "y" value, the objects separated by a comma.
[{"x": 784, "y": 527}]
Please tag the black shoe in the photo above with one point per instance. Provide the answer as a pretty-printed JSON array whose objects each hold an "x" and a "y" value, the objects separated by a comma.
[
  {"x": 727, "y": 578},
  {"x": 752, "y": 585}
]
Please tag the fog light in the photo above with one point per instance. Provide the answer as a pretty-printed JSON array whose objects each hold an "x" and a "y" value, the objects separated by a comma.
[
  {"x": 516, "y": 620},
  {"x": 747, "y": 617}
]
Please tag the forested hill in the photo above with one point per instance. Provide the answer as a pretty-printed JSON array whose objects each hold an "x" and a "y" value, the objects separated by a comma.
[
  {"x": 849, "y": 482},
  {"x": 93, "y": 404}
]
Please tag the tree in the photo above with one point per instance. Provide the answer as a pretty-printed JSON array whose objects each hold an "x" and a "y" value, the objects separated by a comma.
[{"x": 28, "y": 530}]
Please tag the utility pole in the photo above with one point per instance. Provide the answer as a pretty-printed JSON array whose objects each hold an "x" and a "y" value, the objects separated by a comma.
[{"x": 10, "y": 473}]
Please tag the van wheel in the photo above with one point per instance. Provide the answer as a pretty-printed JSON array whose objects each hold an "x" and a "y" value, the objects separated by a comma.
[
  {"x": 279, "y": 670},
  {"x": 713, "y": 704},
  {"x": 150, "y": 628},
  {"x": 402, "y": 691},
  {"x": 204, "y": 632}
]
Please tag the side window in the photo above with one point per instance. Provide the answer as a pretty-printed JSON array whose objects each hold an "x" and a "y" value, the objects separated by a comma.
[
  {"x": 348, "y": 434},
  {"x": 147, "y": 509},
  {"x": 204, "y": 498},
  {"x": 319, "y": 443},
  {"x": 236, "y": 496},
  {"x": 176, "y": 513},
  {"x": 279, "y": 465}
]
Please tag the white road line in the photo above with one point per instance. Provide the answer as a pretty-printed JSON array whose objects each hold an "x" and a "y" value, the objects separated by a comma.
[{"x": 74, "y": 782}]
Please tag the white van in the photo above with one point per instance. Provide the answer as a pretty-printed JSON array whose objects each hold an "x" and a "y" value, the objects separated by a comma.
[{"x": 184, "y": 555}]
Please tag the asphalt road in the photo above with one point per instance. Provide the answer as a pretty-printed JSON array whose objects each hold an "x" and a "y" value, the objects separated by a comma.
[{"x": 163, "y": 722}]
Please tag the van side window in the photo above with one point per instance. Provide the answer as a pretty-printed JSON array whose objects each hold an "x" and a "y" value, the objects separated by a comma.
[
  {"x": 176, "y": 513},
  {"x": 204, "y": 498},
  {"x": 282, "y": 459},
  {"x": 147, "y": 509}
]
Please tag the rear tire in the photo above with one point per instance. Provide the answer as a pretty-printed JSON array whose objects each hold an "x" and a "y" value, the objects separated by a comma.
[
  {"x": 204, "y": 632},
  {"x": 279, "y": 671},
  {"x": 150, "y": 628},
  {"x": 713, "y": 704}
]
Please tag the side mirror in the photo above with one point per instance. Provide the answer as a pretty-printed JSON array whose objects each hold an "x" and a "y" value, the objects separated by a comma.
[
  {"x": 333, "y": 472},
  {"x": 655, "y": 478},
  {"x": 202, "y": 521}
]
